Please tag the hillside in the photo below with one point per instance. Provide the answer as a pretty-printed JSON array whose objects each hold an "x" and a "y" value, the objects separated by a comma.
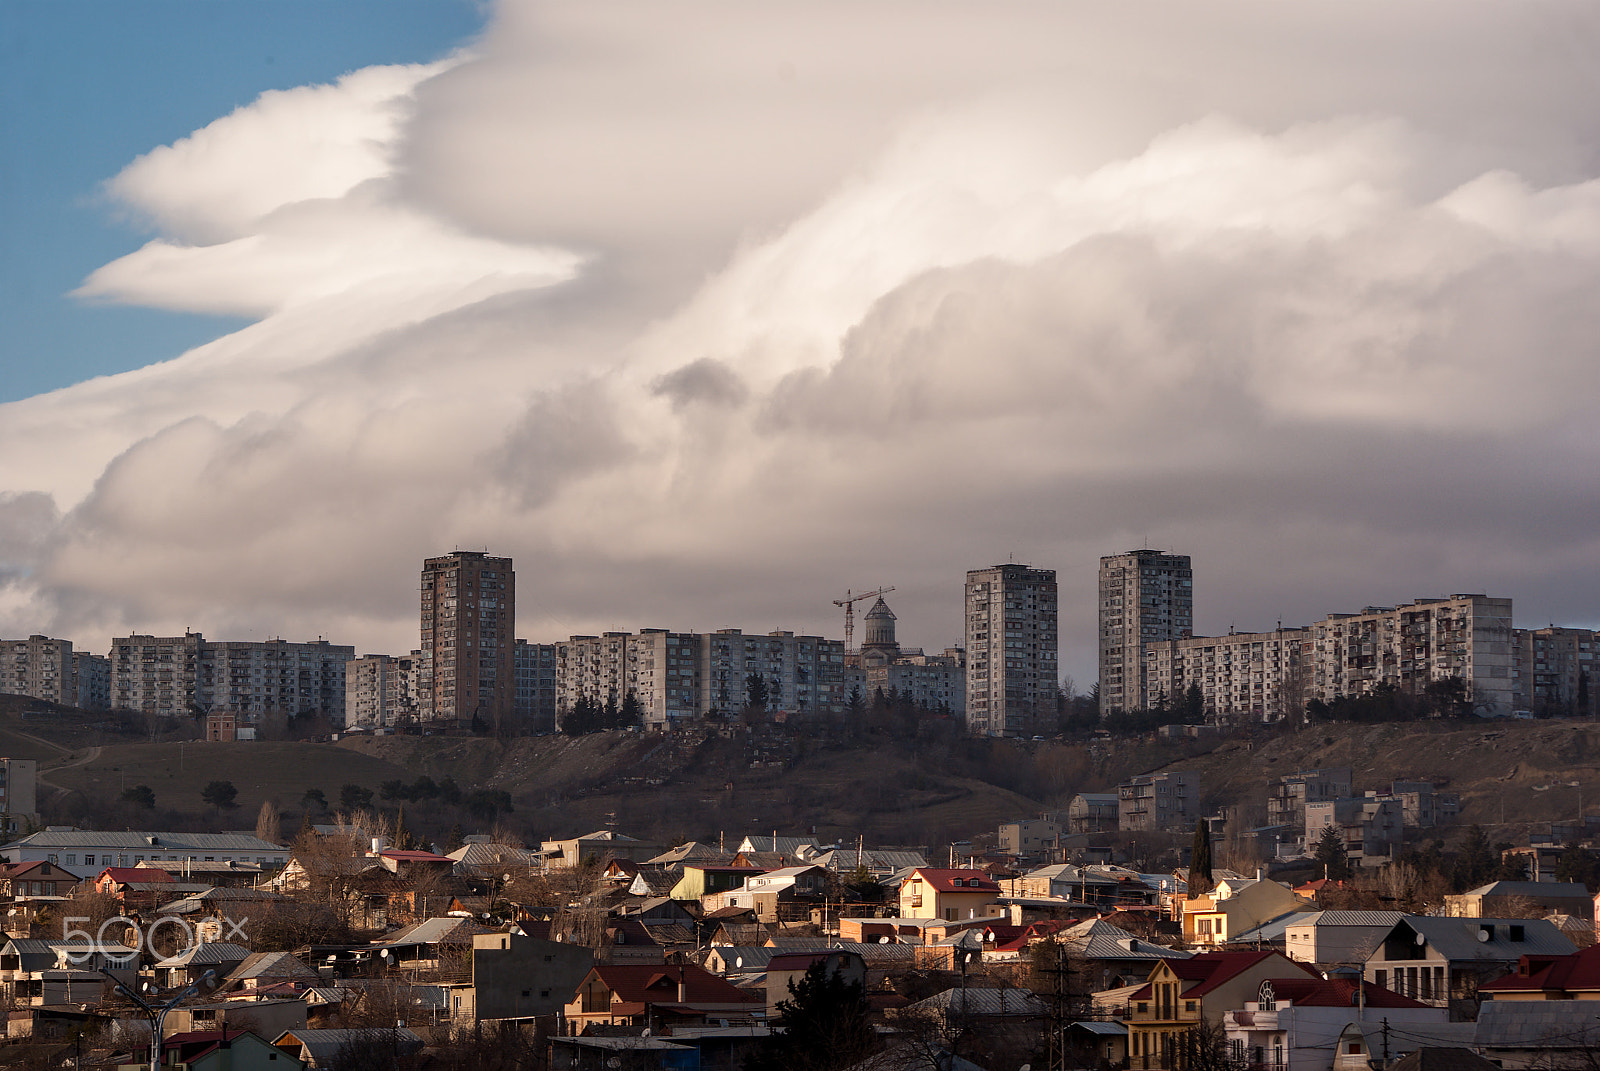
[{"x": 924, "y": 791}]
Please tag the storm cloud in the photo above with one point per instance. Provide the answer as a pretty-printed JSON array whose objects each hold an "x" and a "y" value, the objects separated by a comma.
[{"x": 705, "y": 313}]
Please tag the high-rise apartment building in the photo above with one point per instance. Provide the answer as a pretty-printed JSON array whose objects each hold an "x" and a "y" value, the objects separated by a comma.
[
  {"x": 1012, "y": 647},
  {"x": 1145, "y": 596},
  {"x": 677, "y": 676},
  {"x": 535, "y": 704},
  {"x": 381, "y": 691},
  {"x": 92, "y": 678},
  {"x": 468, "y": 621},
  {"x": 175, "y": 675},
  {"x": 40, "y": 668},
  {"x": 1242, "y": 678},
  {"x": 1555, "y": 670},
  {"x": 1465, "y": 636}
]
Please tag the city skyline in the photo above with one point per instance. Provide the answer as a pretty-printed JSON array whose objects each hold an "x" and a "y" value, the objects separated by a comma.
[{"x": 706, "y": 317}]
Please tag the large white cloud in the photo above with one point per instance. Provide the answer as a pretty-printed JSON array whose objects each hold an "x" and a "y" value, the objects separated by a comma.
[{"x": 706, "y": 314}]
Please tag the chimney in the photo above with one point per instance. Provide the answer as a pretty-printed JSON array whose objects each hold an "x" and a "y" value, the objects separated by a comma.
[{"x": 683, "y": 986}]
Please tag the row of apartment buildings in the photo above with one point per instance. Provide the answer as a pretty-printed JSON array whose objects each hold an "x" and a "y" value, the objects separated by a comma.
[
  {"x": 1003, "y": 681},
  {"x": 1149, "y": 656}
]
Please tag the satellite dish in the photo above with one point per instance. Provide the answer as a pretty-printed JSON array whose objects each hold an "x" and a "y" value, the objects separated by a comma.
[
  {"x": 1483, "y": 935},
  {"x": 1421, "y": 939},
  {"x": 883, "y": 940},
  {"x": 383, "y": 953}
]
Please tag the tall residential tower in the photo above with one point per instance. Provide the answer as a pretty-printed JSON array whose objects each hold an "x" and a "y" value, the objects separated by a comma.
[
  {"x": 468, "y": 617},
  {"x": 1012, "y": 649},
  {"x": 1145, "y": 596}
]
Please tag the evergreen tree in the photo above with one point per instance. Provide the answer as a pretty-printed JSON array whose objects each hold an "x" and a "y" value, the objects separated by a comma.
[
  {"x": 1194, "y": 704},
  {"x": 755, "y": 687},
  {"x": 823, "y": 1026},
  {"x": 402, "y": 835},
  {"x": 1331, "y": 854},
  {"x": 611, "y": 713},
  {"x": 632, "y": 713},
  {"x": 1200, "y": 859}
]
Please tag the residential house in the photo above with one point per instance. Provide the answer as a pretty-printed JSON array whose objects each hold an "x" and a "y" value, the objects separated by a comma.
[
  {"x": 1334, "y": 938},
  {"x": 785, "y": 895},
  {"x": 951, "y": 895},
  {"x": 1529, "y": 898},
  {"x": 21, "y": 881},
  {"x": 691, "y": 852},
  {"x": 1111, "y": 956},
  {"x": 1180, "y": 995},
  {"x": 23, "y": 960},
  {"x": 327, "y": 1048},
  {"x": 1370, "y": 827},
  {"x": 224, "y": 1050},
  {"x": 1444, "y": 961},
  {"x": 260, "y": 971},
  {"x": 1092, "y": 812},
  {"x": 1234, "y": 906},
  {"x": 437, "y": 944},
  {"x": 519, "y": 977},
  {"x": 1168, "y": 800},
  {"x": 657, "y": 996},
  {"x": 879, "y": 862},
  {"x": 702, "y": 879},
  {"x": 192, "y": 964},
  {"x": 266, "y": 1017},
  {"x": 1572, "y": 977},
  {"x": 600, "y": 845},
  {"x": 1028, "y": 837},
  {"x": 1295, "y": 1022}
]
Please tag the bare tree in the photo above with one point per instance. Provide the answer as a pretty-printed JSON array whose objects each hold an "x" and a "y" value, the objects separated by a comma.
[{"x": 269, "y": 824}]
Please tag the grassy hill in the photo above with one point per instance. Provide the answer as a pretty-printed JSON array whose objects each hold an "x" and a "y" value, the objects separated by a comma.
[{"x": 924, "y": 791}]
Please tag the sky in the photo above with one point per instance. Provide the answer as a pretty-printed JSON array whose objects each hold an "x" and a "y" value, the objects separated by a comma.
[{"x": 707, "y": 312}]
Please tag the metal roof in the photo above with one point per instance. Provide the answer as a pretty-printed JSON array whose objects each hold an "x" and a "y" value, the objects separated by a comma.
[
  {"x": 140, "y": 841},
  {"x": 983, "y": 1002},
  {"x": 1457, "y": 938},
  {"x": 207, "y": 952},
  {"x": 1537, "y": 1024}
]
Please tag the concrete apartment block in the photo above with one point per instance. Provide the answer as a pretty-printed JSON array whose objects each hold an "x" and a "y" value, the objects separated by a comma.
[
  {"x": 40, "y": 668},
  {"x": 1012, "y": 643},
  {"x": 468, "y": 622},
  {"x": 1146, "y": 596}
]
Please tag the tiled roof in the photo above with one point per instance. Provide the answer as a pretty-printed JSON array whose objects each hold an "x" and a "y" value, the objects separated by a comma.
[
  {"x": 1578, "y": 972},
  {"x": 1208, "y": 970},
  {"x": 655, "y": 983},
  {"x": 944, "y": 880}
]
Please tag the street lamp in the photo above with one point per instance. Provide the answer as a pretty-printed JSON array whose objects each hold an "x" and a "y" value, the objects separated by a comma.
[{"x": 158, "y": 1015}]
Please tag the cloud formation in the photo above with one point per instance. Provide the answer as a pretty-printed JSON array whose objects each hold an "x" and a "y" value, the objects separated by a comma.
[{"x": 705, "y": 316}]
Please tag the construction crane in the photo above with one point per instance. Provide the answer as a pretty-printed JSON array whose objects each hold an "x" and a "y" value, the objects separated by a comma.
[{"x": 849, "y": 603}]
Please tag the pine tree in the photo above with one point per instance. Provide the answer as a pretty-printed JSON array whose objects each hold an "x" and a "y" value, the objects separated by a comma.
[
  {"x": 1200, "y": 859},
  {"x": 1331, "y": 854},
  {"x": 823, "y": 1026}
]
